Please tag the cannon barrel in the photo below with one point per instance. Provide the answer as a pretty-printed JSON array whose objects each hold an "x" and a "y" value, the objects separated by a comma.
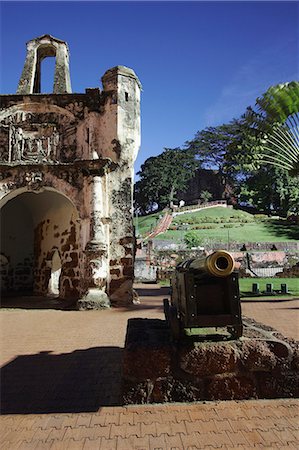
[{"x": 219, "y": 264}]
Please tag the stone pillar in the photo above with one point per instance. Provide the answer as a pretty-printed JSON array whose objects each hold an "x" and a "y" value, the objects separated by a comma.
[
  {"x": 26, "y": 83},
  {"x": 62, "y": 80},
  {"x": 96, "y": 252}
]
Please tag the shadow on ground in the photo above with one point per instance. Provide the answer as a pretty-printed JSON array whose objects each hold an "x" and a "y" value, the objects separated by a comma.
[
  {"x": 37, "y": 302},
  {"x": 81, "y": 381},
  {"x": 149, "y": 299},
  {"x": 159, "y": 291},
  {"x": 283, "y": 229}
]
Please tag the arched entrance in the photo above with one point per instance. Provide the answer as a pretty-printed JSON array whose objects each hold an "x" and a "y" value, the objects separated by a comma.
[{"x": 40, "y": 244}]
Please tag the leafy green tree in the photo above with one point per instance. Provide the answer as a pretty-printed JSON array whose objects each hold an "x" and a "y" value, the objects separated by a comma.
[
  {"x": 272, "y": 190},
  {"x": 162, "y": 176},
  {"x": 213, "y": 145},
  {"x": 266, "y": 151},
  {"x": 272, "y": 135}
]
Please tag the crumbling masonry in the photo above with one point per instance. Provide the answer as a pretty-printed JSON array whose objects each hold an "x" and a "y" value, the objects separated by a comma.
[{"x": 66, "y": 181}]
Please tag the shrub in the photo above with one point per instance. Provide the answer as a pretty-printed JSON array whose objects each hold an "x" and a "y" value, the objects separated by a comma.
[
  {"x": 192, "y": 239},
  {"x": 260, "y": 217},
  {"x": 203, "y": 227}
]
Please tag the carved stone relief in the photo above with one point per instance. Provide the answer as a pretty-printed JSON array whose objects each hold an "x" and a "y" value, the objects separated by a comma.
[
  {"x": 34, "y": 180},
  {"x": 35, "y": 144},
  {"x": 37, "y": 138}
]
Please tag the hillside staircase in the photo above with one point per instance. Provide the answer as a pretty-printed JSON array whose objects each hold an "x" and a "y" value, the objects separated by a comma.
[{"x": 161, "y": 226}]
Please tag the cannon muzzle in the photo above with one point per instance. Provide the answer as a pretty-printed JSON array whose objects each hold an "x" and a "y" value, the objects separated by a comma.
[{"x": 218, "y": 264}]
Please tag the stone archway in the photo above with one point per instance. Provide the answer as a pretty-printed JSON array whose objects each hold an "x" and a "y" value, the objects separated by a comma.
[{"x": 39, "y": 236}]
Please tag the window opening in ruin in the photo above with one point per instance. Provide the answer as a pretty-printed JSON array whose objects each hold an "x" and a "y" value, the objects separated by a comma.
[
  {"x": 55, "y": 266},
  {"x": 47, "y": 72},
  {"x": 126, "y": 96}
]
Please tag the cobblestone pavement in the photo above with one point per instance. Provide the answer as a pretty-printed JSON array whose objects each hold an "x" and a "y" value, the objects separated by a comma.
[{"x": 61, "y": 376}]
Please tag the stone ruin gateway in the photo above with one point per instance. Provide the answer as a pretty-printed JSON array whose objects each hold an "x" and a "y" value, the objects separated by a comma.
[{"x": 66, "y": 183}]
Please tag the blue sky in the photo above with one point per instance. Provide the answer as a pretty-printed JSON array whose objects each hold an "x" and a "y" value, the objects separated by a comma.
[{"x": 200, "y": 63}]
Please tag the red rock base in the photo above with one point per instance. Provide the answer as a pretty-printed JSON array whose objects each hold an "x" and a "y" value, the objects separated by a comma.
[{"x": 262, "y": 364}]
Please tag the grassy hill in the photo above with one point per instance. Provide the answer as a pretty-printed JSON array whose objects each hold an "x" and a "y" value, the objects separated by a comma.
[{"x": 223, "y": 225}]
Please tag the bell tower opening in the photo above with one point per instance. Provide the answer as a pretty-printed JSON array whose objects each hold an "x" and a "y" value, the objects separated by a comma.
[
  {"x": 45, "y": 69},
  {"x": 39, "y": 49},
  {"x": 47, "y": 75}
]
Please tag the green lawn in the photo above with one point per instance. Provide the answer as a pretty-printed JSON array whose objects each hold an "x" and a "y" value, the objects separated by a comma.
[
  {"x": 222, "y": 225},
  {"x": 292, "y": 284},
  {"x": 228, "y": 225},
  {"x": 145, "y": 224},
  {"x": 248, "y": 232},
  {"x": 214, "y": 213},
  {"x": 245, "y": 285}
]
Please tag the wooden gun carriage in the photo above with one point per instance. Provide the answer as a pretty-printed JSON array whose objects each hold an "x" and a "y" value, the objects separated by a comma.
[{"x": 205, "y": 294}]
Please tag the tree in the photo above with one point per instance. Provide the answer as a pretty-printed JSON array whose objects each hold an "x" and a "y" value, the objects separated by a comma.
[
  {"x": 266, "y": 151},
  {"x": 272, "y": 135},
  {"x": 205, "y": 196},
  {"x": 270, "y": 189},
  {"x": 212, "y": 146},
  {"x": 162, "y": 176}
]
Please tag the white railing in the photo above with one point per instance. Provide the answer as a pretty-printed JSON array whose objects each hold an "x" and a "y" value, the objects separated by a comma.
[{"x": 198, "y": 207}]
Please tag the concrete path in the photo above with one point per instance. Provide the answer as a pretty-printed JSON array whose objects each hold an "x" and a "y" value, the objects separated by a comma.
[{"x": 60, "y": 386}]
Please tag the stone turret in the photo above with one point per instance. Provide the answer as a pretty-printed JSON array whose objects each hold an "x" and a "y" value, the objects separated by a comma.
[{"x": 38, "y": 49}]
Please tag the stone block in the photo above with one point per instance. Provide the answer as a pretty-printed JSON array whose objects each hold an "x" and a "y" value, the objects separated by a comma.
[
  {"x": 279, "y": 386},
  {"x": 255, "y": 355},
  {"x": 94, "y": 299},
  {"x": 136, "y": 393},
  {"x": 144, "y": 362},
  {"x": 280, "y": 349},
  {"x": 147, "y": 351},
  {"x": 295, "y": 359},
  {"x": 156, "y": 370},
  {"x": 171, "y": 389},
  {"x": 208, "y": 358},
  {"x": 233, "y": 387}
]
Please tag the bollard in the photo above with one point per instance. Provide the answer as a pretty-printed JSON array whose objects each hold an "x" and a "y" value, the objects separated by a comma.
[{"x": 255, "y": 288}]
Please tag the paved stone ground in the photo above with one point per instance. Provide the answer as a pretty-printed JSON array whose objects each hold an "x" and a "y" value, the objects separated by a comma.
[
  {"x": 60, "y": 386},
  {"x": 282, "y": 315}
]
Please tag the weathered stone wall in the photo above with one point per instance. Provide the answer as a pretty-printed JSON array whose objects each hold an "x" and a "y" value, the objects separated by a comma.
[
  {"x": 165, "y": 260},
  {"x": 261, "y": 364},
  {"x": 82, "y": 147}
]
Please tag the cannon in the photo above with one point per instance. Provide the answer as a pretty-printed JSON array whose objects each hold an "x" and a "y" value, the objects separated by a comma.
[{"x": 205, "y": 294}]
